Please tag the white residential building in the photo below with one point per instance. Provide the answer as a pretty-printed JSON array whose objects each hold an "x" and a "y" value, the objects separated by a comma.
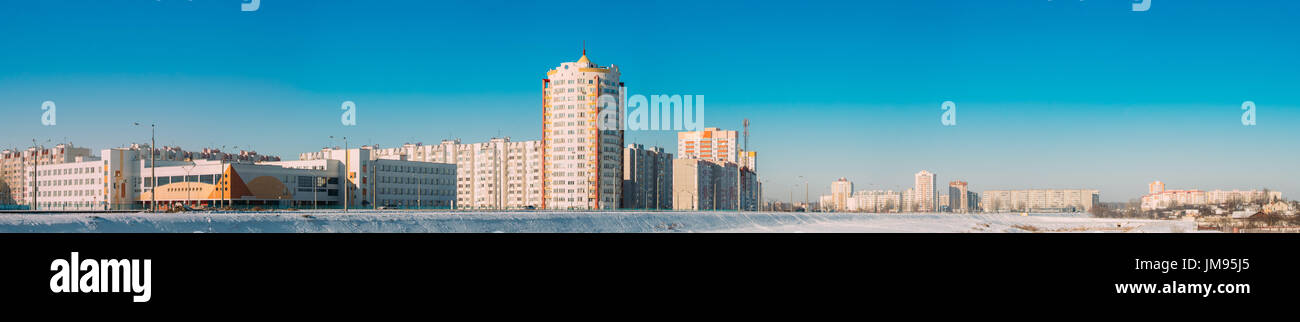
[
  {"x": 713, "y": 185},
  {"x": 841, "y": 190},
  {"x": 909, "y": 200},
  {"x": 76, "y": 185},
  {"x": 583, "y": 163},
  {"x": 1159, "y": 198},
  {"x": 1040, "y": 200},
  {"x": 14, "y": 163},
  {"x": 1224, "y": 196},
  {"x": 926, "y": 190},
  {"x": 876, "y": 201},
  {"x": 498, "y": 174}
]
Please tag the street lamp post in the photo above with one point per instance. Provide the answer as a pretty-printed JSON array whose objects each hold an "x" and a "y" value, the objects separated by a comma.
[
  {"x": 806, "y": 203},
  {"x": 153, "y": 169},
  {"x": 36, "y": 163},
  {"x": 187, "y": 186},
  {"x": 791, "y": 199},
  {"x": 419, "y": 189},
  {"x": 347, "y": 166},
  {"x": 374, "y": 185}
]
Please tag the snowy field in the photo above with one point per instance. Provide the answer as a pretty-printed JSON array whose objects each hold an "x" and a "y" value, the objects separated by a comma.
[{"x": 564, "y": 222}]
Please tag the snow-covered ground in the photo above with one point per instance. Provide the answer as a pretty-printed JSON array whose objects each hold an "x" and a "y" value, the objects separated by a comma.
[{"x": 596, "y": 222}]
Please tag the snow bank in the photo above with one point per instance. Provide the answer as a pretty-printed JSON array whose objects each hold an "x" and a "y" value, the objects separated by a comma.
[{"x": 563, "y": 222}]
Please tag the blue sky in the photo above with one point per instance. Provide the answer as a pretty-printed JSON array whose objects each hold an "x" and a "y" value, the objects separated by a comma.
[{"x": 1050, "y": 94}]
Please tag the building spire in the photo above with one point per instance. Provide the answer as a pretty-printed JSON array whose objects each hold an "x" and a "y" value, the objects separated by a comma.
[{"x": 583, "y": 60}]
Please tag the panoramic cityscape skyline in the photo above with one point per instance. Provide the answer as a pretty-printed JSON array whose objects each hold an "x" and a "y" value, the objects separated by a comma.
[{"x": 1156, "y": 98}]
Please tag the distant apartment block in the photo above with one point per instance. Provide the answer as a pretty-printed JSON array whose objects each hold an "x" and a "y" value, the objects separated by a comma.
[
  {"x": 1040, "y": 200},
  {"x": 709, "y": 144},
  {"x": 960, "y": 197},
  {"x": 1159, "y": 198},
  {"x": 926, "y": 192},
  {"x": 841, "y": 190},
  {"x": 498, "y": 174},
  {"x": 13, "y": 165},
  {"x": 713, "y": 185},
  {"x": 909, "y": 200},
  {"x": 876, "y": 201},
  {"x": 647, "y": 178}
]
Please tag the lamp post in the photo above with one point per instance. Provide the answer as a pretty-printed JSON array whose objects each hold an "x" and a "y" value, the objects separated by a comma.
[
  {"x": 374, "y": 184},
  {"x": 36, "y": 163},
  {"x": 419, "y": 189},
  {"x": 347, "y": 166},
  {"x": 188, "y": 187},
  {"x": 153, "y": 169},
  {"x": 659, "y": 165},
  {"x": 806, "y": 203},
  {"x": 791, "y": 199}
]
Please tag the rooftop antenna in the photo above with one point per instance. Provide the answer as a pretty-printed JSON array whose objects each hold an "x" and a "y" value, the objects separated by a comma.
[{"x": 746, "y": 143}]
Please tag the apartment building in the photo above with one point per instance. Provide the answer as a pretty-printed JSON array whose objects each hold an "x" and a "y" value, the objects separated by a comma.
[
  {"x": 1040, "y": 200},
  {"x": 76, "y": 185},
  {"x": 498, "y": 174},
  {"x": 647, "y": 178},
  {"x": 959, "y": 197},
  {"x": 926, "y": 193},
  {"x": 877, "y": 201},
  {"x": 709, "y": 144},
  {"x": 841, "y": 190},
  {"x": 1159, "y": 198},
  {"x": 583, "y": 164},
  {"x": 14, "y": 163},
  {"x": 713, "y": 185}
]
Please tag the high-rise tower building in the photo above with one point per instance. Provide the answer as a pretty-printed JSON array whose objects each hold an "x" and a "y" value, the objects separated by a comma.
[
  {"x": 926, "y": 195},
  {"x": 583, "y": 162},
  {"x": 959, "y": 196},
  {"x": 841, "y": 190}
]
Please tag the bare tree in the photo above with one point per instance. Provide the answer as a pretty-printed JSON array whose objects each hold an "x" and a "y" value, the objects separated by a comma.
[{"x": 1098, "y": 210}]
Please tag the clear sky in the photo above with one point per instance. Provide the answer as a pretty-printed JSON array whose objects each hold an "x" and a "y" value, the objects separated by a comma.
[{"x": 1050, "y": 94}]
